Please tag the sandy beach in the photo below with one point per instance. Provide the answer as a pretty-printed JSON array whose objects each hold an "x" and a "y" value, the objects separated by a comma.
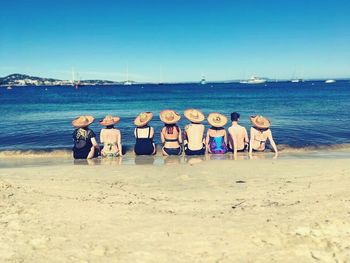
[{"x": 213, "y": 211}]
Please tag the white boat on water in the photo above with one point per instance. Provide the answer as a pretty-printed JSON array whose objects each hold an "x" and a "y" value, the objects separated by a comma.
[
  {"x": 329, "y": 81},
  {"x": 9, "y": 88},
  {"x": 253, "y": 80},
  {"x": 203, "y": 81},
  {"x": 296, "y": 80},
  {"x": 127, "y": 82}
]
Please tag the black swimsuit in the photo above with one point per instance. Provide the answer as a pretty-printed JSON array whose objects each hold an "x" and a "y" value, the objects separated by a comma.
[
  {"x": 144, "y": 146},
  {"x": 172, "y": 151},
  {"x": 82, "y": 143}
]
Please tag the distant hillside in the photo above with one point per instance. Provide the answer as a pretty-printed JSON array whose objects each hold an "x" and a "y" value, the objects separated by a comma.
[{"x": 26, "y": 80}]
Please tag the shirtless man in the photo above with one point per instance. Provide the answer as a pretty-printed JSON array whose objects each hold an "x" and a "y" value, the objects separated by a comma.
[{"x": 238, "y": 135}]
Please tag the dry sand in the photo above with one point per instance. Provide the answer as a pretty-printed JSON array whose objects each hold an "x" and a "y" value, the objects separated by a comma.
[{"x": 214, "y": 211}]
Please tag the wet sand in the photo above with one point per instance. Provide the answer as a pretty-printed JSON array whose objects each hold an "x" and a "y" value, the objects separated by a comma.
[{"x": 284, "y": 210}]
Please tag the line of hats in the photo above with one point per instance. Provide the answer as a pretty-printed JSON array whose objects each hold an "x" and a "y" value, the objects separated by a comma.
[{"x": 215, "y": 119}]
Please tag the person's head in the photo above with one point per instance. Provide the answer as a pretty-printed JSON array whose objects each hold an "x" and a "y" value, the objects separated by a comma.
[
  {"x": 83, "y": 121},
  {"x": 235, "y": 116},
  {"x": 143, "y": 119},
  {"x": 109, "y": 121}
]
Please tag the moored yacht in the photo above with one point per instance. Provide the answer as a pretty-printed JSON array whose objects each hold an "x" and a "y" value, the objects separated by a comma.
[
  {"x": 296, "y": 80},
  {"x": 253, "y": 80},
  {"x": 329, "y": 81}
]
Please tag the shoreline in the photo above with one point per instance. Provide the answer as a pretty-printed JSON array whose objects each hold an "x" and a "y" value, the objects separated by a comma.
[
  {"x": 64, "y": 158},
  {"x": 290, "y": 210}
]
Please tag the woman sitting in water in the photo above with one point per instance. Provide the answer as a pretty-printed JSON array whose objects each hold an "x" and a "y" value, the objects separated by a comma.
[
  {"x": 193, "y": 134},
  {"x": 171, "y": 133},
  {"x": 110, "y": 137},
  {"x": 216, "y": 139},
  {"x": 144, "y": 135},
  {"x": 259, "y": 134},
  {"x": 85, "y": 145}
]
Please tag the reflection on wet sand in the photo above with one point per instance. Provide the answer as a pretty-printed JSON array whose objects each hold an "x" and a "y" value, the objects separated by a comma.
[
  {"x": 172, "y": 160},
  {"x": 111, "y": 161},
  {"x": 169, "y": 160},
  {"x": 144, "y": 160},
  {"x": 191, "y": 160},
  {"x": 86, "y": 161}
]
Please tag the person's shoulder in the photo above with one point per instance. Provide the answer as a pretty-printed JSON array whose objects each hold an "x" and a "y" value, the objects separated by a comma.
[{"x": 242, "y": 128}]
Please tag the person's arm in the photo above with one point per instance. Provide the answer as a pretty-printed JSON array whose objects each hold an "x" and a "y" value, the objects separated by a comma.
[
  {"x": 119, "y": 143},
  {"x": 152, "y": 133},
  {"x": 207, "y": 142},
  {"x": 225, "y": 137},
  {"x": 246, "y": 138},
  {"x": 251, "y": 143},
  {"x": 230, "y": 140},
  {"x": 203, "y": 140},
  {"x": 272, "y": 142},
  {"x": 101, "y": 136},
  {"x": 180, "y": 136},
  {"x": 234, "y": 141},
  {"x": 94, "y": 143},
  {"x": 162, "y": 138},
  {"x": 185, "y": 136}
]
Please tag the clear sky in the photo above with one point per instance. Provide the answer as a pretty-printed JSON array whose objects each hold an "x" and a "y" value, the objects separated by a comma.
[{"x": 183, "y": 39}]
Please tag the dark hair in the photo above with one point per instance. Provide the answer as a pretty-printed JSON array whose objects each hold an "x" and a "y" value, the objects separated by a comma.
[
  {"x": 170, "y": 128},
  {"x": 110, "y": 127},
  {"x": 235, "y": 116}
]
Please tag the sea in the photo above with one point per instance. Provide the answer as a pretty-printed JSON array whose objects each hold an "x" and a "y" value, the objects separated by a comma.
[{"x": 304, "y": 115}]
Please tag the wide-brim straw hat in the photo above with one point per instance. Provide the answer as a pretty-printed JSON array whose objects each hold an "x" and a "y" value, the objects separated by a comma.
[
  {"x": 109, "y": 120},
  {"x": 217, "y": 120},
  {"x": 169, "y": 116},
  {"x": 260, "y": 122},
  {"x": 82, "y": 121},
  {"x": 143, "y": 118},
  {"x": 194, "y": 115}
]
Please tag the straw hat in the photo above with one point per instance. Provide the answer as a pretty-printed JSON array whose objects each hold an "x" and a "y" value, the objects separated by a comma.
[
  {"x": 169, "y": 116},
  {"x": 194, "y": 115},
  {"x": 217, "y": 120},
  {"x": 260, "y": 122},
  {"x": 82, "y": 121},
  {"x": 109, "y": 120},
  {"x": 143, "y": 118}
]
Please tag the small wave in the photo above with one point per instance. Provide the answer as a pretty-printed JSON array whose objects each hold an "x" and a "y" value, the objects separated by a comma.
[
  {"x": 35, "y": 154},
  {"x": 128, "y": 151}
]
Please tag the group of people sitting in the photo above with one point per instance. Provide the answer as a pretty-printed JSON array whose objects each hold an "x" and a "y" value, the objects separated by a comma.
[{"x": 192, "y": 141}]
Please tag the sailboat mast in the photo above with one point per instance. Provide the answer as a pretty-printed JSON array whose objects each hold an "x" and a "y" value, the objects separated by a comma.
[{"x": 73, "y": 76}]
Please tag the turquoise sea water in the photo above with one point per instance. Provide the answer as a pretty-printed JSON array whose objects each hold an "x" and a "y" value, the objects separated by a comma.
[{"x": 308, "y": 114}]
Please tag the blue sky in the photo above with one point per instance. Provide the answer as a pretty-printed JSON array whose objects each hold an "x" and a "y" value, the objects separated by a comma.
[{"x": 182, "y": 39}]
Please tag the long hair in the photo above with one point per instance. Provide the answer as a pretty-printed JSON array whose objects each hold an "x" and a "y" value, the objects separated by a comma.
[{"x": 170, "y": 128}]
